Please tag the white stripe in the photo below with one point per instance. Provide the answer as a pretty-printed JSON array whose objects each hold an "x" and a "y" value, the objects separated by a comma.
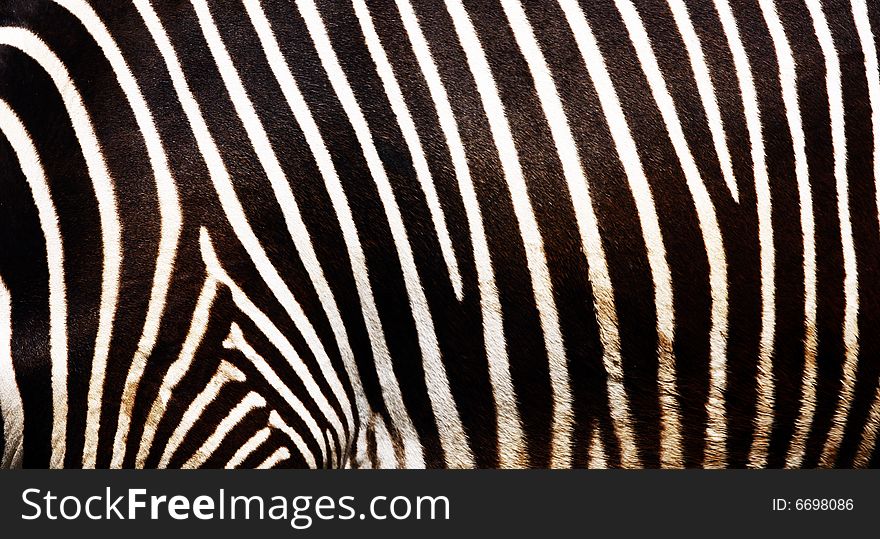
[
  {"x": 411, "y": 138},
  {"x": 596, "y": 449},
  {"x": 511, "y": 443},
  {"x": 169, "y": 215},
  {"x": 765, "y": 384},
  {"x": 286, "y": 201},
  {"x": 359, "y": 457},
  {"x": 533, "y": 244},
  {"x": 280, "y": 455},
  {"x": 706, "y": 90},
  {"x": 248, "y": 448},
  {"x": 276, "y": 422},
  {"x": 236, "y": 341},
  {"x": 249, "y": 403},
  {"x": 670, "y": 433},
  {"x": 866, "y": 37},
  {"x": 387, "y": 380},
  {"x": 452, "y": 436},
  {"x": 597, "y": 266},
  {"x": 111, "y": 232},
  {"x": 176, "y": 372},
  {"x": 384, "y": 450},
  {"x": 850, "y": 272},
  {"x": 226, "y": 373},
  {"x": 716, "y": 435},
  {"x": 332, "y": 463},
  {"x": 10, "y": 398}
]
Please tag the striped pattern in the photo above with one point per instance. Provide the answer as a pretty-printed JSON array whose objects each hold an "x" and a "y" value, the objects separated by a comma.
[{"x": 476, "y": 233}]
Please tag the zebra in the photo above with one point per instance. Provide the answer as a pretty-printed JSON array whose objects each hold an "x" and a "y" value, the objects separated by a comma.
[{"x": 409, "y": 234}]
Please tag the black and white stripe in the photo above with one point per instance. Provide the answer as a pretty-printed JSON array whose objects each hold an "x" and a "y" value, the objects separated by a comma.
[{"x": 625, "y": 233}]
